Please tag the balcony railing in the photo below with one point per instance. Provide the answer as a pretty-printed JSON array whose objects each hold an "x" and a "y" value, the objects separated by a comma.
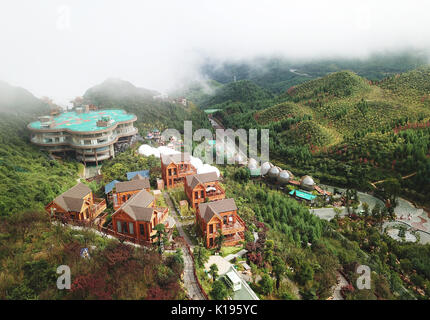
[
  {"x": 214, "y": 193},
  {"x": 233, "y": 239},
  {"x": 98, "y": 207},
  {"x": 232, "y": 228}
]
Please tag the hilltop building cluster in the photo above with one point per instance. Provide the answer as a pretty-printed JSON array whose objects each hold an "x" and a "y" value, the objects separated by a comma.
[
  {"x": 136, "y": 212},
  {"x": 85, "y": 133}
]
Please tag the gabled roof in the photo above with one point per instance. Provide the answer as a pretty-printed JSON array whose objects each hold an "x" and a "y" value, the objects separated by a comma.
[
  {"x": 175, "y": 158},
  {"x": 209, "y": 209},
  {"x": 138, "y": 206},
  {"x": 73, "y": 199},
  {"x": 196, "y": 179},
  {"x": 109, "y": 186},
  {"x": 143, "y": 173},
  {"x": 137, "y": 177},
  {"x": 132, "y": 185}
]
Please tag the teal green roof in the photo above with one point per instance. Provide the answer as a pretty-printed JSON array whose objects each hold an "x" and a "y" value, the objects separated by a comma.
[
  {"x": 85, "y": 121},
  {"x": 303, "y": 194}
]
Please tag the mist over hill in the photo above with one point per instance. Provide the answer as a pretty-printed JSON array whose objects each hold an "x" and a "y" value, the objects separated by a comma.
[
  {"x": 277, "y": 74},
  {"x": 114, "y": 90},
  {"x": 150, "y": 111},
  {"x": 16, "y": 100}
]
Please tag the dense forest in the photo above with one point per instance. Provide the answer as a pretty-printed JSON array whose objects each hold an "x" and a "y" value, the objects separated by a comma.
[{"x": 298, "y": 255}]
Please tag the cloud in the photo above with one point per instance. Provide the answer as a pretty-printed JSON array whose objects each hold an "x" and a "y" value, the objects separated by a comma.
[{"x": 60, "y": 48}]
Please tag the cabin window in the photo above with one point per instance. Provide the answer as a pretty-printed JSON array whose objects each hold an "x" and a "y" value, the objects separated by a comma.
[
  {"x": 225, "y": 219},
  {"x": 211, "y": 228},
  {"x": 202, "y": 194},
  {"x": 196, "y": 194},
  {"x": 142, "y": 229},
  {"x": 170, "y": 172},
  {"x": 118, "y": 226},
  {"x": 124, "y": 227},
  {"x": 124, "y": 198},
  {"x": 130, "y": 227},
  {"x": 211, "y": 242}
]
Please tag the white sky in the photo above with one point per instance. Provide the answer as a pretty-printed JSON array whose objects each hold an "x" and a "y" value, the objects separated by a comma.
[{"x": 61, "y": 48}]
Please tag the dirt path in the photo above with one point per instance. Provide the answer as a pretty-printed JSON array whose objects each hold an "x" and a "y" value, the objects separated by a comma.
[
  {"x": 380, "y": 181},
  {"x": 341, "y": 282}
]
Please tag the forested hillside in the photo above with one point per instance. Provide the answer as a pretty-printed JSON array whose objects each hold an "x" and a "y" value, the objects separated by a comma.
[
  {"x": 241, "y": 91},
  {"x": 29, "y": 179},
  {"x": 347, "y": 130}
]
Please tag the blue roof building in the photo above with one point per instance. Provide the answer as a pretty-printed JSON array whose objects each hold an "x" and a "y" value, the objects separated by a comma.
[
  {"x": 143, "y": 173},
  {"x": 109, "y": 186}
]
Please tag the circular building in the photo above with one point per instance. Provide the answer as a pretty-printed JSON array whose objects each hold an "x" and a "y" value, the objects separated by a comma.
[
  {"x": 265, "y": 167},
  {"x": 307, "y": 183},
  {"x": 90, "y": 135}
]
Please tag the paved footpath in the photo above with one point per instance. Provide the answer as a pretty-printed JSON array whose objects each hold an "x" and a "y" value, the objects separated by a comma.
[{"x": 190, "y": 282}]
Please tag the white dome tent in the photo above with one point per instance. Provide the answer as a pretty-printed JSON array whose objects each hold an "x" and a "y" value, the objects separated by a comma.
[
  {"x": 307, "y": 182},
  {"x": 265, "y": 167},
  {"x": 274, "y": 172}
]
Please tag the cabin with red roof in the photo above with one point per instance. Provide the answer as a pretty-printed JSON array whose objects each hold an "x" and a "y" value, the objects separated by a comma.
[
  {"x": 124, "y": 190},
  {"x": 137, "y": 218},
  {"x": 175, "y": 167},
  {"x": 220, "y": 215},
  {"x": 202, "y": 187},
  {"x": 78, "y": 203}
]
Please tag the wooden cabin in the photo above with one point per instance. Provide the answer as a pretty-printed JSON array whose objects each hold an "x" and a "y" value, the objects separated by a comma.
[
  {"x": 124, "y": 190},
  {"x": 200, "y": 187},
  {"x": 220, "y": 215},
  {"x": 137, "y": 218},
  {"x": 78, "y": 203},
  {"x": 175, "y": 167}
]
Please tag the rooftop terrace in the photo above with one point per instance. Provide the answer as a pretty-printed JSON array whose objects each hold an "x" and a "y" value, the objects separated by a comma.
[{"x": 84, "y": 122}]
